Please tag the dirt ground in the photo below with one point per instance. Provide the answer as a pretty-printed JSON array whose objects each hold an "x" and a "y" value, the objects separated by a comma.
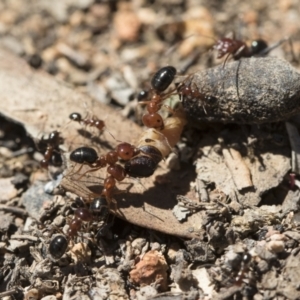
[{"x": 219, "y": 217}]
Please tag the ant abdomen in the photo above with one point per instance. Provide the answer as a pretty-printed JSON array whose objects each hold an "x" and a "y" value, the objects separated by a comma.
[
  {"x": 258, "y": 46},
  {"x": 163, "y": 78},
  {"x": 58, "y": 246},
  {"x": 144, "y": 164},
  {"x": 84, "y": 155}
]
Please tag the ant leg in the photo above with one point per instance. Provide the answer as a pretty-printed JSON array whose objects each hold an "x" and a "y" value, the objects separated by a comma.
[
  {"x": 72, "y": 172},
  {"x": 88, "y": 171},
  {"x": 224, "y": 63}
]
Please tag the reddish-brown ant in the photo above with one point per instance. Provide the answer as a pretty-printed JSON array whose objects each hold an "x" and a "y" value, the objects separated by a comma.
[
  {"x": 159, "y": 83},
  {"x": 98, "y": 211},
  {"x": 80, "y": 215},
  {"x": 92, "y": 121},
  {"x": 238, "y": 48},
  {"x": 155, "y": 144},
  {"x": 141, "y": 161},
  {"x": 51, "y": 154},
  {"x": 190, "y": 91},
  {"x": 116, "y": 172}
]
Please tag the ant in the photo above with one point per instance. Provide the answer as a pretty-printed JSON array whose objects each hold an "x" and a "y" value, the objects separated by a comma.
[
  {"x": 161, "y": 80},
  {"x": 98, "y": 210},
  {"x": 80, "y": 215},
  {"x": 239, "y": 48},
  {"x": 93, "y": 121},
  {"x": 51, "y": 154},
  {"x": 190, "y": 91},
  {"x": 246, "y": 260},
  {"x": 88, "y": 156},
  {"x": 155, "y": 143}
]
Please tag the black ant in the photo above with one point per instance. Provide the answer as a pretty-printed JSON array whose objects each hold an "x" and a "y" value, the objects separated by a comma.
[
  {"x": 93, "y": 121},
  {"x": 59, "y": 243},
  {"x": 51, "y": 154}
]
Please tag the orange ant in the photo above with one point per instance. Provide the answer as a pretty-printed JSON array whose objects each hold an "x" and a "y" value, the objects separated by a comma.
[{"x": 51, "y": 154}]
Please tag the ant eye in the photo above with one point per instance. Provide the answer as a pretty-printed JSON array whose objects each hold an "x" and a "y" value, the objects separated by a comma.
[{"x": 153, "y": 120}]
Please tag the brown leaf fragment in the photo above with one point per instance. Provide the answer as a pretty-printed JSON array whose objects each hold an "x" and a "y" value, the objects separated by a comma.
[{"x": 238, "y": 169}]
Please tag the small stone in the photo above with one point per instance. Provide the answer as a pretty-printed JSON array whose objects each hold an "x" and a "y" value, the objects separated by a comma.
[
  {"x": 127, "y": 24},
  {"x": 152, "y": 268},
  {"x": 7, "y": 189},
  {"x": 275, "y": 246}
]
